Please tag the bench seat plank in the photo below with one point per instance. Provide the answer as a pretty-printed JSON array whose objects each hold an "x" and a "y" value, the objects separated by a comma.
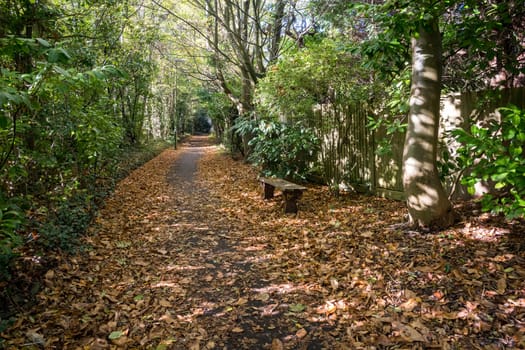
[{"x": 281, "y": 184}]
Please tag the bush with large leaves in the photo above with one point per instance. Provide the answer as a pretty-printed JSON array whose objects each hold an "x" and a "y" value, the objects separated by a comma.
[
  {"x": 281, "y": 149},
  {"x": 496, "y": 153}
]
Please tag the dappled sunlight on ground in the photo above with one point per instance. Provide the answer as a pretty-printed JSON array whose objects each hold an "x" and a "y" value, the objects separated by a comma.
[
  {"x": 398, "y": 287},
  {"x": 206, "y": 263}
]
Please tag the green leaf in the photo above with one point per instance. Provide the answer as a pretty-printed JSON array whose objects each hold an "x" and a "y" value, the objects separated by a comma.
[
  {"x": 297, "y": 307},
  {"x": 516, "y": 119},
  {"x": 115, "y": 335},
  {"x": 499, "y": 185},
  {"x": 3, "y": 122},
  {"x": 516, "y": 151},
  {"x": 58, "y": 55},
  {"x": 111, "y": 70},
  {"x": 43, "y": 42},
  {"x": 61, "y": 71},
  {"x": 499, "y": 176},
  {"x": 509, "y": 134},
  {"x": 9, "y": 97}
]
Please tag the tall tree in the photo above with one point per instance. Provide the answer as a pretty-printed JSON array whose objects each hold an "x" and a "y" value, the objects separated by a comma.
[
  {"x": 428, "y": 203},
  {"x": 392, "y": 27},
  {"x": 484, "y": 48},
  {"x": 242, "y": 37}
]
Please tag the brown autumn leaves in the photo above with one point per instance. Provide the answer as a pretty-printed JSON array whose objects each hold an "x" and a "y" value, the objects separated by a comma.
[{"x": 206, "y": 263}]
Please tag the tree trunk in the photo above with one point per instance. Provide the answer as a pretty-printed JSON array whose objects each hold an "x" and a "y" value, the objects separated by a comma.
[
  {"x": 427, "y": 201},
  {"x": 277, "y": 29}
]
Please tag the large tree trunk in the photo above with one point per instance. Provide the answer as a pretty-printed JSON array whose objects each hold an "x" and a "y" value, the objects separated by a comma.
[{"x": 427, "y": 201}]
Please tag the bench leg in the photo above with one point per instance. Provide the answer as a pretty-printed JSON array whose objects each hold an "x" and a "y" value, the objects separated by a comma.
[
  {"x": 290, "y": 198},
  {"x": 268, "y": 191}
]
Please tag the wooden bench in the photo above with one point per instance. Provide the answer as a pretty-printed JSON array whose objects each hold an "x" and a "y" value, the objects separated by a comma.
[{"x": 291, "y": 192}]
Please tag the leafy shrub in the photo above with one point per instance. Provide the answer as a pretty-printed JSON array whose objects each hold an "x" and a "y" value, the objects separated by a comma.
[
  {"x": 496, "y": 153},
  {"x": 67, "y": 223},
  {"x": 282, "y": 150},
  {"x": 11, "y": 218},
  {"x": 325, "y": 71},
  {"x": 69, "y": 220}
]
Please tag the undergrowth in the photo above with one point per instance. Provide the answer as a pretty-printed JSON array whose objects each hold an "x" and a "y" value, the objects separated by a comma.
[{"x": 30, "y": 233}]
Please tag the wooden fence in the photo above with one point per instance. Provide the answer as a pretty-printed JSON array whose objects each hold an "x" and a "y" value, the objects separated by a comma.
[
  {"x": 349, "y": 158},
  {"x": 347, "y": 153}
]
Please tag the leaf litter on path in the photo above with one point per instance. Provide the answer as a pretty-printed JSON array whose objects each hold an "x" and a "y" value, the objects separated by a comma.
[{"x": 201, "y": 261}]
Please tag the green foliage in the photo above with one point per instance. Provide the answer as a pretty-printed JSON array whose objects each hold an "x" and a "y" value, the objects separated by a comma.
[
  {"x": 489, "y": 32},
  {"x": 220, "y": 110},
  {"x": 282, "y": 150},
  {"x": 496, "y": 153},
  {"x": 325, "y": 71},
  {"x": 393, "y": 101},
  {"x": 67, "y": 223},
  {"x": 67, "y": 111},
  {"x": 11, "y": 218}
]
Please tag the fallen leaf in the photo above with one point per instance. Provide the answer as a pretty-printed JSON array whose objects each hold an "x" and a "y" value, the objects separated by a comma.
[
  {"x": 409, "y": 294},
  {"x": 164, "y": 303},
  {"x": 140, "y": 262},
  {"x": 36, "y": 337},
  {"x": 168, "y": 318},
  {"x": 410, "y": 304},
  {"x": 438, "y": 295},
  {"x": 268, "y": 310},
  {"x": 334, "y": 283},
  {"x": 263, "y": 297},
  {"x": 121, "y": 341},
  {"x": 277, "y": 344},
  {"x": 408, "y": 333},
  {"x": 50, "y": 274},
  {"x": 237, "y": 330},
  {"x": 209, "y": 278},
  {"x": 115, "y": 335},
  {"x": 367, "y": 234},
  {"x": 301, "y": 333},
  {"x": 327, "y": 308},
  {"x": 297, "y": 307},
  {"x": 241, "y": 301},
  {"x": 502, "y": 285}
]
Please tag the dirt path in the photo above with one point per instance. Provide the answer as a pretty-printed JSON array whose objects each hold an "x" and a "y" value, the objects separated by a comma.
[
  {"x": 164, "y": 268},
  {"x": 225, "y": 298},
  {"x": 186, "y": 255}
]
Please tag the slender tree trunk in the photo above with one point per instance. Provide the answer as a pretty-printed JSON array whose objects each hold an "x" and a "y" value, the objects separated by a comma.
[
  {"x": 277, "y": 30},
  {"x": 427, "y": 201}
]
